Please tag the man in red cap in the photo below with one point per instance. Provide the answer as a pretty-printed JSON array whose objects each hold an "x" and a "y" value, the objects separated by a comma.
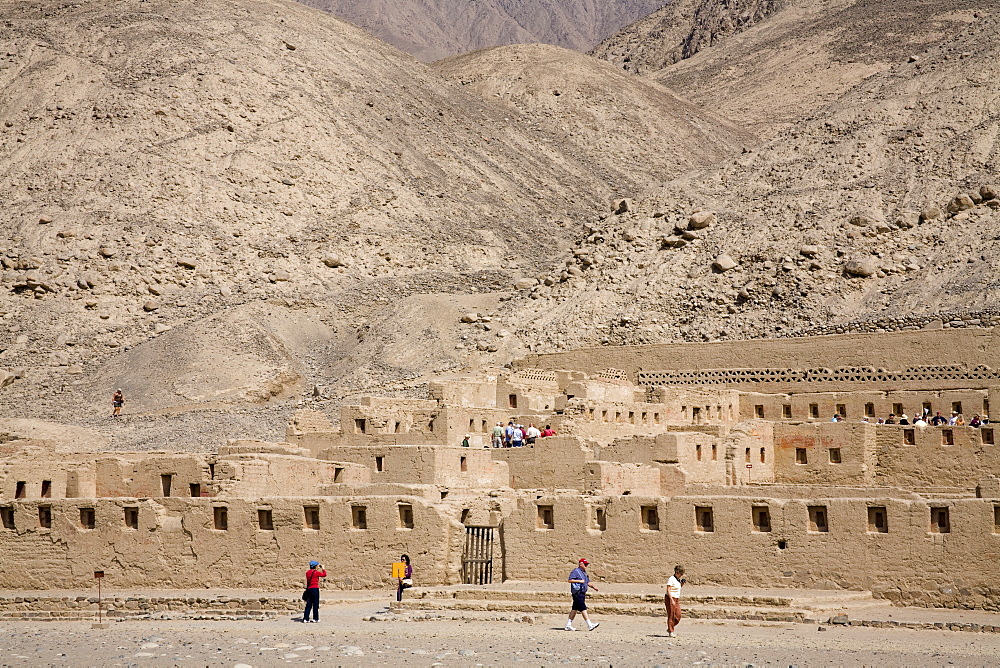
[{"x": 579, "y": 583}]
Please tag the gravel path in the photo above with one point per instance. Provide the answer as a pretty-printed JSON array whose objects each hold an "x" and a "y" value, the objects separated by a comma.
[{"x": 342, "y": 638}]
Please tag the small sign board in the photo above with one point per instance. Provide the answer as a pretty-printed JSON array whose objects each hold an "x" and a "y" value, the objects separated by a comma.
[
  {"x": 98, "y": 574},
  {"x": 749, "y": 466},
  {"x": 398, "y": 569}
]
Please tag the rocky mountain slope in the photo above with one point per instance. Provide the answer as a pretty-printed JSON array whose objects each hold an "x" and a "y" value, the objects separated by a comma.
[
  {"x": 681, "y": 29},
  {"x": 602, "y": 112},
  {"x": 234, "y": 201},
  {"x": 433, "y": 29},
  {"x": 231, "y": 207},
  {"x": 880, "y": 210}
]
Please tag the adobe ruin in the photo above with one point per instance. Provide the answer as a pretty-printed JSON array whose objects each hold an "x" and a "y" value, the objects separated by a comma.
[{"x": 721, "y": 456}]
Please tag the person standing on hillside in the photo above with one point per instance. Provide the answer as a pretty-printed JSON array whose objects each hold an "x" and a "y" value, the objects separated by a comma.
[
  {"x": 311, "y": 595},
  {"x": 672, "y": 599},
  {"x": 117, "y": 401},
  {"x": 579, "y": 583}
]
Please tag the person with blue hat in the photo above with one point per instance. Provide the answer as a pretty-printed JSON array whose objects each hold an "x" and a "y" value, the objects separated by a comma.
[{"x": 311, "y": 594}]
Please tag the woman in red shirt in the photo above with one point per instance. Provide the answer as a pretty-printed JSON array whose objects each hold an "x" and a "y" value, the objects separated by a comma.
[{"x": 311, "y": 595}]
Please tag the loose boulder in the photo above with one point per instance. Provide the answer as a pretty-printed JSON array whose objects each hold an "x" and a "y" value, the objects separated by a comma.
[
  {"x": 699, "y": 220},
  {"x": 863, "y": 267},
  {"x": 724, "y": 263}
]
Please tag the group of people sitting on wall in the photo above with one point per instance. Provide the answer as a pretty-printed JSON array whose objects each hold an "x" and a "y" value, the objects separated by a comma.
[
  {"x": 925, "y": 419},
  {"x": 516, "y": 435}
]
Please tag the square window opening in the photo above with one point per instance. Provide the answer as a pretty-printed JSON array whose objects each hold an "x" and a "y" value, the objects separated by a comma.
[
  {"x": 786, "y": 411},
  {"x": 909, "y": 437},
  {"x": 704, "y": 519},
  {"x": 512, "y": 400},
  {"x": 88, "y": 518},
  {"x": 697, "y": 451},
  {"x": 814, "y": 410},
  {"x": 956, "y": 406},
  {"x": 7, "y": 518},
  {"x": 835, "y": 456},
  {"x": 987, "y": 436},
  {"x": 761, "y": 519},
  {"x": 464, "y": 464},
  {"x": 166, "y": 482},
  {"x": 359, "y": 517},
  {"x": 940, "y": 520},
  {"x": 746, "y": 456},
  {"x": 878, "y": 519},
  {"x": 996, "y": 519},
  {"x": 359, "y": 425},
  {"x": 220, "y": 516},
  {"x": 650, "y": 518},
  {"x": 265, "y": 519},
  {"x": 311, "y": 514},
  {"x": 800, "y": 456},
  {"x": 45, "y": 517},
  {"x": 818, "y": 522},
  {"x": 842, "y": 410},
  {"x": 897, "y": 409},
  {"x": 715, "y": 452},
  {"x": 46, "y": 489},
  {"x": 758, "y": 411},
  {"x": 545, "y": 518},
  {"x": 600, "y": 519},
  {"x": 338, "y": 474},
  {"x": 405, "y": 516},
  {"x": 947, "y": 437},
  {"x": 763, "y": 455},
  {"x": 195, "y": 489},
  {"x": 870, "y": 410},
  {"x": 20, "y": 490},
  {"x": 380, "y": 463},
  {"x": 132, "y": 518}
]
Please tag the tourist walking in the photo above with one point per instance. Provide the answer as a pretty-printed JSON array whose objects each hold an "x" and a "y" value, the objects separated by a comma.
[
  {"x": 579, "y": 583},
  {"x": 406, "y": 581},
  {"x": 311, "y": 595},
  {"x": 117, "y": 401},
  {"x": 672, "y": 599}
]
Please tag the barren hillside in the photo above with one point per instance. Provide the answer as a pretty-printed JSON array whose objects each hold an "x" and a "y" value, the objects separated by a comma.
[
  {"x": 433, "y": 29},
  {"x": 603, "y": 112},
  {"x": 229, "y": 202},
  {"x": 681, "y": 29},
  {"x": 773, "y": 62},
  {"x": 882, "y": 210}
]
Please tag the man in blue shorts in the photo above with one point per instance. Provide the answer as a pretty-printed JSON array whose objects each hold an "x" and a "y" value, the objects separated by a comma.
[{"x": 579, "y": 583}]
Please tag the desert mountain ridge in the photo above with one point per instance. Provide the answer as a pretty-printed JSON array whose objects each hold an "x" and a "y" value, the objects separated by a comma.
[
  {"x": 231, "y": 208},
  {"x": 435, "y": 29}
]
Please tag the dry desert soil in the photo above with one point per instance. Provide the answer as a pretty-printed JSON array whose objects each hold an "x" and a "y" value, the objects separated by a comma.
[{"x": 343, "y": 639}]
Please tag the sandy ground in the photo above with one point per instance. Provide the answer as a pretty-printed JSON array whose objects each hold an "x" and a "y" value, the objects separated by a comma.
[{"x": 342, "y": 638}]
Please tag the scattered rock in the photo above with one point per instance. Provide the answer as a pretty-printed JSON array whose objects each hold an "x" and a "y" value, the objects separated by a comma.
[
  {"x": 809, "y": 250},
  {"x": 724, "y": 263},
  {"x": 151, "y": 305},
  {"x": 186, "y": 262},
  {"x": 863, "y": 267},
  {"x": 525, "y": 283},
  {"x": 624, "y": 206},
  {"x": 470, "y": 317},
  {"x": 6, "y": 378},
  {"x": 106, "y": 251},
  {"x": 333, "y": 261},
  {"x": 930, "y": 213},
  {"x": 960, "y": 203},
  {"x": 699, "y": 220},
  {"x": 989, "y": 192}
]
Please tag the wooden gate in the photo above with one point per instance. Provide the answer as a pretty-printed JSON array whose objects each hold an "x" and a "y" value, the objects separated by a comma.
[{"x": 477, "y": 559}]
